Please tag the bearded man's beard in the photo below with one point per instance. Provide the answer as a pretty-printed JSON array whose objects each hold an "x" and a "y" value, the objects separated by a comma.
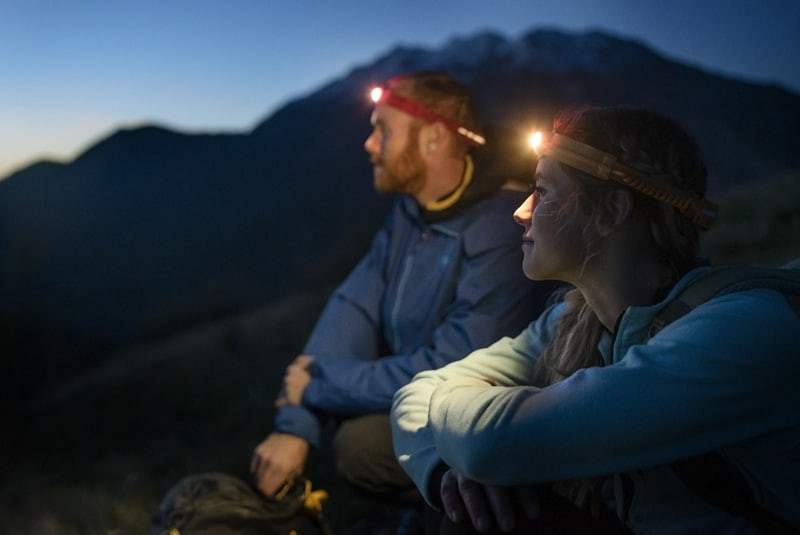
[{"x": 404, "y": 174}]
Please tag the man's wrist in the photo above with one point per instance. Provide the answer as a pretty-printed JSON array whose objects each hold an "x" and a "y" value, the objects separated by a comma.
[{"x": 299, "y": 421}]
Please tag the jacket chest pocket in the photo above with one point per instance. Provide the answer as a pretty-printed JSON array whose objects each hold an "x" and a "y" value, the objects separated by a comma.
[{"x": 423, "y": 289}]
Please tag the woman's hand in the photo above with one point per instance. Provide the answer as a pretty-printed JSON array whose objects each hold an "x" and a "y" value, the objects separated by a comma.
[{"x": 486, "y": 505}]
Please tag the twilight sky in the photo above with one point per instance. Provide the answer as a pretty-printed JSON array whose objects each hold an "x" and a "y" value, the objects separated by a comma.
[{"x": 72, "y": 72}]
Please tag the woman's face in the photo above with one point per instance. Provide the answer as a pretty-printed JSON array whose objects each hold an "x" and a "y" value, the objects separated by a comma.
[{"x": 553, "y": 243}]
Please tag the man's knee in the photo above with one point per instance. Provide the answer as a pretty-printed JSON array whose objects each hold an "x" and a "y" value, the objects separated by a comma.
[
  {"x": 365, "y": 456},
  {"x": 363, "y": 448}
]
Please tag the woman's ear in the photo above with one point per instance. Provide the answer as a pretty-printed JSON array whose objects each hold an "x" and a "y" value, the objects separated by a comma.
[{"x": 617, "y": 206}]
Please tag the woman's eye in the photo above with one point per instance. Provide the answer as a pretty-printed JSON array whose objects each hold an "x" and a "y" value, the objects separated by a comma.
[
  {"x": 538, "y": 192},
  {"x": 533, "y": 189}
]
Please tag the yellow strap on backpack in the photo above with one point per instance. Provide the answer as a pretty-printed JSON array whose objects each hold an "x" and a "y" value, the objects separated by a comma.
[{"x": 314, "y": 499}]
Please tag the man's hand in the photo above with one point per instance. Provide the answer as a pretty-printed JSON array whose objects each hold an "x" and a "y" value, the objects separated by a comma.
[
  {"x": 277, "y": 459},
  {"x": 295, "y": 381},
  {"x": 485, "y": 505}
]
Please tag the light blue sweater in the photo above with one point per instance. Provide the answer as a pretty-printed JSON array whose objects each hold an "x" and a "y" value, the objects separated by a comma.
[{"x": 724, "y": 377}]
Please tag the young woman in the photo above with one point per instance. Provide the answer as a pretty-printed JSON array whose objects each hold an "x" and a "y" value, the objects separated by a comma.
[{"x": 588, "y": 400}]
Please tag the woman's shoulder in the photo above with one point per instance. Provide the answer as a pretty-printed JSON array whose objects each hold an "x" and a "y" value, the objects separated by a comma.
[{"x": 738, "y": 289}]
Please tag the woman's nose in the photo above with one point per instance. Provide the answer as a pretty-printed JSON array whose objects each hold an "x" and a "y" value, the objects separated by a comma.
[{"x": 523, "y": 214}]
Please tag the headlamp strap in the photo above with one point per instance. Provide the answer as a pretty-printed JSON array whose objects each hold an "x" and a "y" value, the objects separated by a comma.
[
  {"x": 412, "y": 107},
  {"x": 605, "y": 166}
]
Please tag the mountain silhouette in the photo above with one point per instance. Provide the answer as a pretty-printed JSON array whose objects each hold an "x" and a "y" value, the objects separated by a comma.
[{"x": 152, "y": 230}]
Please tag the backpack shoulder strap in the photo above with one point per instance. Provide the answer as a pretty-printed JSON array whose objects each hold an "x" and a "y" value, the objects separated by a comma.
[
  {"x": 728, "y": 279},
  {"x": 709, "y": 475}
]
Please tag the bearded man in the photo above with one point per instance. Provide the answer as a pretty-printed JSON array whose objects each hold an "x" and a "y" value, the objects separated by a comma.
[{"x": 441, "y": 279}]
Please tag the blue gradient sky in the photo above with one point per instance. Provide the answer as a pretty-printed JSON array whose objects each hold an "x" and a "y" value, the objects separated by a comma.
[{"x": 71, "y": 72}]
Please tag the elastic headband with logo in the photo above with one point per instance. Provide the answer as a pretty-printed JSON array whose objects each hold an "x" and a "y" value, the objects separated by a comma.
[
  {"x": 386, "y": 96},
  {"x": 605, "y": 166}
]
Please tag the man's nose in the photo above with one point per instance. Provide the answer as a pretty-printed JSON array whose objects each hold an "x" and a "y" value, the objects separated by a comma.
[{"x": 370, "y": 144}]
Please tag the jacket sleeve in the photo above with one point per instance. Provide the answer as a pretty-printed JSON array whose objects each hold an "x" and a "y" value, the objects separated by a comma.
[
  {"x": 507, "y": 362},
  {"x": 349, "y": 325},
  {"x": 493, "y": 298},
  {"x": 723, "y": 374}
]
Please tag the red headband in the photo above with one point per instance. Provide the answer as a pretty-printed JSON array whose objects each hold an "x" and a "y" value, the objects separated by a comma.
[{"x": 386, "y": 96}]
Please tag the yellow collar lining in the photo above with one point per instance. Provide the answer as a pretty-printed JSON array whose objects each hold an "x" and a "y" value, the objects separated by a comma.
[{"x": 452, "y": 198}]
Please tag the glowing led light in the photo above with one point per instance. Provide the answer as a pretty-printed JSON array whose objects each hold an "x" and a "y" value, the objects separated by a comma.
[
  {"x": 535, "y": 140},
  {"x": 376, "y": 94}
]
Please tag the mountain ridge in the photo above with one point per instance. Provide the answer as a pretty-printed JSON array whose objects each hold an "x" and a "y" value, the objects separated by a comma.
[{"x": 151, "y": 230}]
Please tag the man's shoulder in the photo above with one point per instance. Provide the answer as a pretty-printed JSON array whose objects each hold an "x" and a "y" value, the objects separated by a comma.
[
  {"x": 489, "y": 223},
  {"x": 491, "y": 216},
  {"x": 504, "y": 199},
  {"x": 498, "y": 206}
]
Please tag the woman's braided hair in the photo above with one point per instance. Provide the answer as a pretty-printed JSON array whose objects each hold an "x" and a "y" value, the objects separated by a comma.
[{"x": 657, "y": 146}]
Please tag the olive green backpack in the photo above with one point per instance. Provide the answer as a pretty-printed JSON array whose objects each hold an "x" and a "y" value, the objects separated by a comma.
[{"x": 214, "y": 503}]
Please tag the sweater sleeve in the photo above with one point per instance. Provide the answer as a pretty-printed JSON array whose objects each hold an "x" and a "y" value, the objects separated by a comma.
[
  {"x": 724, "y": 374},
  {"x": 507, "y": 362},
  {"x": 349, "y": 325}
]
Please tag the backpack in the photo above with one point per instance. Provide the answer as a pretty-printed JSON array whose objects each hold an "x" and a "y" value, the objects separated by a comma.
[
  {"x": 710, "y": 475},
  {"x": 214, "y": 503}
]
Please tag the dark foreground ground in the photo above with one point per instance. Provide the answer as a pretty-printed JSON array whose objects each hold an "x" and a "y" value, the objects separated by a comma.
[{"x": 95, "y": 453}]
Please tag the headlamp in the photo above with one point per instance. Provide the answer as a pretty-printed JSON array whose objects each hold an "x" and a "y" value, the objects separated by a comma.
[
  {"x": 535, "y": 140},
  {"x": 602, "y": 165},
  {"x": 384, "y": 95}
]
